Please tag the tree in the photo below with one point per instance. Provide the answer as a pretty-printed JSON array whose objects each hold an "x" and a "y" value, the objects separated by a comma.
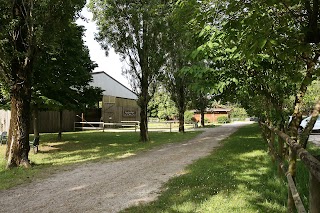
[
  {"x": 201, "y": 101},
  {"x": 134, "y": 29},
  {"x": 4, "y": 97},
  {"x": 181, "y": 41},
  {"x": 293, "y": 37},
  {"x": 161, "y": 105},
  {"x": 310, "y": 98},
  {"x": 277, "y": 46},
  {"x": 62, "y": 74},
  {"x": 24, "y": 31}
]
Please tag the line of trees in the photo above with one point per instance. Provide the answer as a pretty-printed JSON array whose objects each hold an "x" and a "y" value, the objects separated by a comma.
[
  {"x": 261, "y": 54},
  {"x": 266, "y": 53},
  {"x": 156, "y": 39}
]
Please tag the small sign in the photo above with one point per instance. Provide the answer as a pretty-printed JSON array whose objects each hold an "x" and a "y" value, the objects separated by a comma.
[{"x": 129, "y": 113}]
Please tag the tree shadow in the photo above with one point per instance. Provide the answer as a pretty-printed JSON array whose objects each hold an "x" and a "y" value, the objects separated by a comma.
[{"x": 238, "y": 177}]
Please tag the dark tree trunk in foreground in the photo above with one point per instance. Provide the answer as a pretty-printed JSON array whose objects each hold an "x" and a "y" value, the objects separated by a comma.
[
  {"x": 20, "y": 91},
  {"x": 18, "y": 140}
]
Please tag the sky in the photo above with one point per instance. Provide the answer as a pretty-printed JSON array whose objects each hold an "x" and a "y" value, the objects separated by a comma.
[{"x": 111, "y": 64}]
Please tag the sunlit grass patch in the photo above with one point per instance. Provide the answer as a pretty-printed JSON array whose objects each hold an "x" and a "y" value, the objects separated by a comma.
[
  {"x": 80, "y": 147},
  {"x": 237, "y": 177}
]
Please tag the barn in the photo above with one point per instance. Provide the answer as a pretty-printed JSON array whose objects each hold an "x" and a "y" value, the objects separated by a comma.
[{"x": 118, "y": 103}]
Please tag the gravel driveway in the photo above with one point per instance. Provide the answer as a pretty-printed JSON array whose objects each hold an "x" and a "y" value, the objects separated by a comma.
[
  {"x": 315, "y": 138},
  {"x": 113, "y": 186}
]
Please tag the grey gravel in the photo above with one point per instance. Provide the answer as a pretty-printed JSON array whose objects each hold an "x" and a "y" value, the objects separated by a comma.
[{"x": 112, "y": 186}]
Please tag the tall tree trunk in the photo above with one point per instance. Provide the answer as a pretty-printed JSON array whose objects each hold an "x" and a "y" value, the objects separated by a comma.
[
  {"x": 143, "y": 103},
  {"x": 181, "y": 105},
  {"x": 181, "y": 121},
  {"x": 202, "y": 117},
  {"x": 18, "y": 139},
  {"x": 20, "y": 91},
  {"x": 304, "y": 136},
  {"x": 297, "y": 114},
  {"x": 296, "y": 119},
  {"x": 36, "y": 121},
  {"x": 60, "y": 124},
  {"x": 144, "y": 136}
]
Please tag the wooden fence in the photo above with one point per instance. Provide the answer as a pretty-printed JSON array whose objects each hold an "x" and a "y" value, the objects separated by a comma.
[
  {"x": 85, "y": 125},
  {"x": 161, "y": 125},
  {"x": 311, "y": 163},
  {"x": 48, "y": 121}
]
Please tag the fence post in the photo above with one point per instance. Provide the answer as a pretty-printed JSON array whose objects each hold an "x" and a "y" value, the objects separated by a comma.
[
  {"x": 314, "y": 193},
  {"x": 272, "y": 142},
  {"x": 292, "y": 171},
  {"x": 281, "y": 153},
  {"x": 170, "y": 126}
]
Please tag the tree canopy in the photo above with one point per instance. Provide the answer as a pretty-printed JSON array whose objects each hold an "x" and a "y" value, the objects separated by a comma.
[{"x": 135, "y": 31}]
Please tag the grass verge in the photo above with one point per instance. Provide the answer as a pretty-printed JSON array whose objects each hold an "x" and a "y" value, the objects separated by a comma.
[
  {"x": 302, "y": 177},
  {"x": 237, "y": 177},
  {"x": 80, "y": 147}
]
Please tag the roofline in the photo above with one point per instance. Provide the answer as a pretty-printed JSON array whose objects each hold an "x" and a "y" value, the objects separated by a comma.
[
  {"x": 221, "y": 110},
  {"x": 98, "y": 72},
  {"x": 214, "y": 110}
]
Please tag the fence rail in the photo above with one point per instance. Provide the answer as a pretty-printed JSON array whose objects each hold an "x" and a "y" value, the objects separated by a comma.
[
  {"x": 311, "y": 163},
  {"x": 86, "y": 125},
  {"x": 166, "y": 125},
  {"x": 102, "y": 125}
]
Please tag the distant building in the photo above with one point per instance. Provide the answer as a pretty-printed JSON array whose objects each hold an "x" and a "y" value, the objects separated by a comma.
[
  {"x": 212, "y": 114},
  {"x": 118, "y": 104}
]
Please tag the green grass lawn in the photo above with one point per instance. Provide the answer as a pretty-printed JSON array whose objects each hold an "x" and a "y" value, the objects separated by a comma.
[
  {"x": 79, "y": 147},
  {"x": 166, "y": 125},
  {"x": 237, "y": 177}
]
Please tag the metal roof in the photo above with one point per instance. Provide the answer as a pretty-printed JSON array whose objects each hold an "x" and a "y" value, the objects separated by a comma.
[{"x": 111, "y": 86}]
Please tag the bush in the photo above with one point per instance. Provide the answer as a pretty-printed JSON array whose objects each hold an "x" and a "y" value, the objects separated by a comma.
[
  {"x": 206, "y": 120},
  {"x": 238, "y": 114},
  {"x": 188, "y": 117},
  {"x": 223, "y": 119}
]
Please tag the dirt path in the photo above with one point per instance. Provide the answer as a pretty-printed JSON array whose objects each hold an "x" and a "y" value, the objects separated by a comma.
[{"x": 113, "y": 186}]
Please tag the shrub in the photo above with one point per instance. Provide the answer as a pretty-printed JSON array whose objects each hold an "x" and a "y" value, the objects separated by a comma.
[
  {"x": 238, "y": 114},
  {"x": 188, "y": 117},
  {"x": 223, "y": 119}
]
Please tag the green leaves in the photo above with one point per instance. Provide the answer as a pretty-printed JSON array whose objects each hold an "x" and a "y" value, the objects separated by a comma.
[{"x": 262, "y": 43}]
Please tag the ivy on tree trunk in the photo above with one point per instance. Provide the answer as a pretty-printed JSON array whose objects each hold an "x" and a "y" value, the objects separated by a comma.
[{"x": 20, "y": 91}]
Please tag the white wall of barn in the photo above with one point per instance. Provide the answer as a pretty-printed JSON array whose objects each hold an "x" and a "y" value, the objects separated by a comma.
[{"x": 4, "y": 120}]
